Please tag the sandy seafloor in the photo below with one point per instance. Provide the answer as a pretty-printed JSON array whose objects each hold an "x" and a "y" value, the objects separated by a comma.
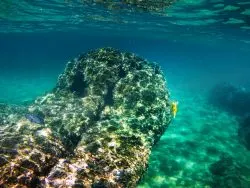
[{"x": 198, "y": 136}]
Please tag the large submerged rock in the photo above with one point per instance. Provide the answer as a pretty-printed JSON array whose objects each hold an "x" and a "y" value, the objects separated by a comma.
[
  {"x": 233, "y": 99},
  {"x": 100, "y": 122}
]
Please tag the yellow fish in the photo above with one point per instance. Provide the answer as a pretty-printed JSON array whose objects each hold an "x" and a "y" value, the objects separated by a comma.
[{"x": 174, "y": 107}]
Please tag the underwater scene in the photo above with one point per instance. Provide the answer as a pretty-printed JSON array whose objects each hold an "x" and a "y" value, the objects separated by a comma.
[{"x": 125, "y": 93}]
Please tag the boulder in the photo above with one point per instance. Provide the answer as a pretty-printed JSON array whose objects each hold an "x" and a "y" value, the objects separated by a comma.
[{"x": 101, "y": 121}]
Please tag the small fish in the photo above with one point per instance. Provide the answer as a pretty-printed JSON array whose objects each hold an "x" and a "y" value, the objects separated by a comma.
[
  {"x": 35, "y": 118},
  {"x": 174, "y": 107}
]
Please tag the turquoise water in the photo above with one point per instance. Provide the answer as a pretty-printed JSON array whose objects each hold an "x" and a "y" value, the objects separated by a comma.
[{"x": 198, "y": 44}]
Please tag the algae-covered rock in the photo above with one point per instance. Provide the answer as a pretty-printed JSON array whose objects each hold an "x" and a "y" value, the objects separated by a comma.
[{"x": 100, "y": 122}]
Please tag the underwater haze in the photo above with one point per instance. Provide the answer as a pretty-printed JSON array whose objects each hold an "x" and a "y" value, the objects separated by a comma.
[{"x": 202, "y": 48}]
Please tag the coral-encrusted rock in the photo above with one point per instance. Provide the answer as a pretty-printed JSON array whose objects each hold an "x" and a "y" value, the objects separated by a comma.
[
  {"x": 107, "y": 111},
  {"x": 27, "y": 152}
]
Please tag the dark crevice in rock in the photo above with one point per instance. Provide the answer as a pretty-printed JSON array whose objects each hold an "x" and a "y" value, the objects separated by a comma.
[
  {"x": 122, "y": 72},
  {"x": 108, "y": 98},
  {"x": 70, "y": 141},
  {"x": 3, "y": 161},
  {"x": 79, "y": 85}
]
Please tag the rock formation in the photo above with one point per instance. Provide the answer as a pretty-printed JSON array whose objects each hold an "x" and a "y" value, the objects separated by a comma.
[{"x": 100, "y": 122}]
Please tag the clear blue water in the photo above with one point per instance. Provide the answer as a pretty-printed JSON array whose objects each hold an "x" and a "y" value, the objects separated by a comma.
[
  {"x": 34, "y": 60},
  {"x": 198, "y": 44}
]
